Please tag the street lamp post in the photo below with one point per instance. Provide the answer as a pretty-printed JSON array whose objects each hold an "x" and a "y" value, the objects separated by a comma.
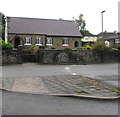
[{"x": 102, "y": 22}]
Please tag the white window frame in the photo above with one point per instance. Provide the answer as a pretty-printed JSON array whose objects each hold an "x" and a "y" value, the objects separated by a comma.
[
  {"x": 28, "y": 40},
  {"x": 38, "y": 41},
  {"x": 49, "y": 41},
  {"x": 65, "y": 42},
  {"x": 117, "y": 40}
]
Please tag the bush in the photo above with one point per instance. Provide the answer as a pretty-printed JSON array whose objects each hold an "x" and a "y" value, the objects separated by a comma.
[
  {"x": 5, "y": 45},
  {"x": 79, "y": 48},
  {"x": 67, "y": 48},
  {"x": 49, "y": 48},
  {"x": 88, "y": 47},
  {"x": 100, "y": 46},
  {"x": 34, "y": 48},
  {"x": 118, "y": 47},
  {"x": 83, "y": 48}
]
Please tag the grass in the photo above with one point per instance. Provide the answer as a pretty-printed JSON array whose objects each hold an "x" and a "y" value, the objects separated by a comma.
[{"x": 80, "y": 91}]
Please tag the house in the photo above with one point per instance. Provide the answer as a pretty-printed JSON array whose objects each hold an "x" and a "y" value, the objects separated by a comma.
[
  {"x": 112, "y": 39},
  {"x": 42, "y": 32},
  {"x": 89, "y": 39}
]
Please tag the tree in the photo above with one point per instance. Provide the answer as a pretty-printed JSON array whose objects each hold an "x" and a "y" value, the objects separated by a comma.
[
  {"x": 81, "y": 25},
  {"x": 2, "y": 26},
  {"x": 85, "y": 32},
  {"x": 80, "y": 22},
  {"x": 61, "y": 19}
]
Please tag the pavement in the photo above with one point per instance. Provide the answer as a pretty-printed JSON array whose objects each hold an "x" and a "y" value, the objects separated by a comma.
[{"x": 61, "y": 85}]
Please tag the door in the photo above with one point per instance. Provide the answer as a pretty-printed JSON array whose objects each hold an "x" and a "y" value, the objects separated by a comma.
[
  {"x": 16, "y": 42},
  {"x": 76, "y": 44}
]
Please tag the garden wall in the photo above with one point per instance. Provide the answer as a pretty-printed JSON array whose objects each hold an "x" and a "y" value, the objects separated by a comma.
[
  {"x": 76, "y": 57},
  {"x": 58, "y": 56},
  {"x": 10, "y": 56}
]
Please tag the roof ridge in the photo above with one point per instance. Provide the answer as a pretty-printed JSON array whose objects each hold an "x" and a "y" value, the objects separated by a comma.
[{"x": 39, "y": 18}]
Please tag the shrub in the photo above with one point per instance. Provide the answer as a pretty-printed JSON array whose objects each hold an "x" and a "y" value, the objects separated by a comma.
[
  {"x": 100, "y": 46},
  {"x": 118, "y": 47},
  {"x": 88, "y": 47},
  {"x": 49, "y": 48},
  {"x": 84, "y": 47},
  {"x": 5, "y": 45},
  {"x": 79, "y": 48},
  {"x": 67, "y": 48},
  {"x": 34, "y": 48}
]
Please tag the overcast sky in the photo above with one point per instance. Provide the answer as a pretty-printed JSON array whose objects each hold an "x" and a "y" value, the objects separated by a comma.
[{"x": 66, "y": 9}]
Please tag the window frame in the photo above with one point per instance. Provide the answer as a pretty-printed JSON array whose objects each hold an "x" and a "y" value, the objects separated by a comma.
[
  {"x": 28, "y": 41},
  {"x": 49, "y": 41},
  {"x": 117, "y": 40},
  {"x": 65, "y": 42},
  {"x": 38, "y": 41}
]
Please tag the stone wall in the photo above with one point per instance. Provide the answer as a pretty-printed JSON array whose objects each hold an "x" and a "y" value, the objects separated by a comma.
[
  {"x": 10, "y": 56},
  {"x": 76, "y": 57},
  {"x": 58, "y": 56}
]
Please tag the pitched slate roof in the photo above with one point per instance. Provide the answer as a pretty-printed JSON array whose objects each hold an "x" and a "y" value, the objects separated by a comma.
[
  {"x": 48, "y": 27},
  {"x": 109, "y": 35}
]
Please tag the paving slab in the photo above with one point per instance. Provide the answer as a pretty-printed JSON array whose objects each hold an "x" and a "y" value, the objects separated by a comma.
[{"x": 29, "y": 85}]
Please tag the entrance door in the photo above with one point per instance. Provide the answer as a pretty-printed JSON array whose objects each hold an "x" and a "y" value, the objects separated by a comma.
[
  {"x": 16, "y": 42},
  {"x": 76, "y": 44}
]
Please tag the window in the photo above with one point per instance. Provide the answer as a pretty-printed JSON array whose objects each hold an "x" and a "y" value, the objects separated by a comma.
[
  {"x": 28, "y": 41},
  {"x": 38, "y": 41},
  {"x": 49, "y": 41},
  {"x": 65, "y": 42},
  {"x": 117, "y": 40}
]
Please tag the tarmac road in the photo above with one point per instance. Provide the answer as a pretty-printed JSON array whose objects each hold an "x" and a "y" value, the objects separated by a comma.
[
  {"x": 28, "y": 104},
  {"x": 107, "y": 73}
]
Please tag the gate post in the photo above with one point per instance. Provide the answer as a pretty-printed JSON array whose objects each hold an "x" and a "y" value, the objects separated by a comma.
[{"x": 20, "y": 52}]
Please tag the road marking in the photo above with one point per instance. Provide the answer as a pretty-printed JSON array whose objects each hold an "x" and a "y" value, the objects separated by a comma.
[{"x": 68, "y": 69}]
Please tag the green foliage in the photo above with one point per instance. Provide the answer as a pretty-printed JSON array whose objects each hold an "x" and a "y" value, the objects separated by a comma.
[
  {"x": 81, "y": 25},
  {"x": 4, "y": 45},
  {"x": 34, "y": 48},
  {"x": 80, "y": 91},
  {"x": 7, "y": 46},
  {"x": 85, "y": 32},
  {"x": 80, "y": 22},
  {"x": 2, "y": 26},
  {"x": 118, "y": 47},
  {"x": 100, "y": 46},
  {"x": 67, "y": 49},
  {"x": 79, "y": 48},
  {"x": 49, "y": 48},
  {"x": 83, "y": 48},
  {"x": 88, "y": 47}
]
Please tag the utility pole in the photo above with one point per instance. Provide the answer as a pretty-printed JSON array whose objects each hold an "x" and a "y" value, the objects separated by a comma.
[{"x": 102, "y": 22}]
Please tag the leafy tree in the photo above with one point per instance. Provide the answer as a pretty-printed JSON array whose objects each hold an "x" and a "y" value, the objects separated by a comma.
[
  {"x": 80, "y": 22},
  {"x": 2, "y": 26},
  {"x": 85, "y": 32},
  {"x": 81, "y": 25},
  {"x": 61, "y": 19}
]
